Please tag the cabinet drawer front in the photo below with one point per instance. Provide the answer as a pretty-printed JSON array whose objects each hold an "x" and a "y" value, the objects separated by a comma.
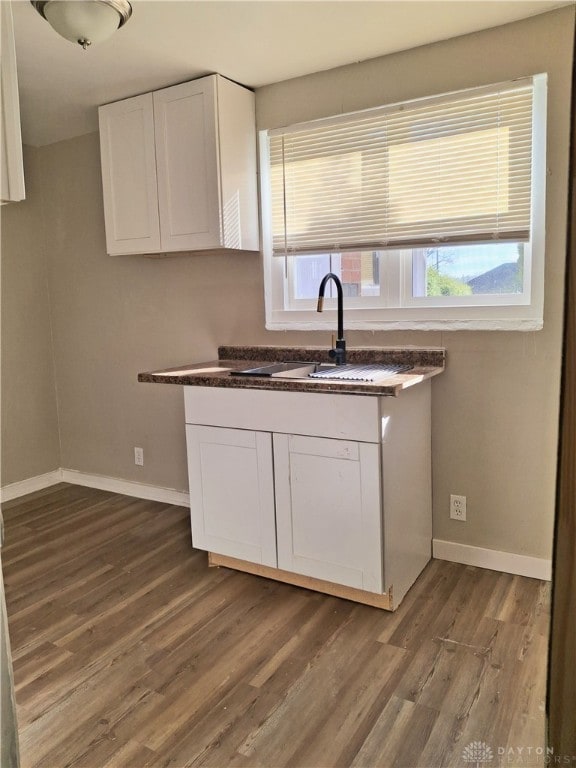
[
  {"x": 345, "y": 417},
  {"x": 129, "y": 176},
  {"x": 232, "y": 493},
  {"x": 329, "y": 449}
]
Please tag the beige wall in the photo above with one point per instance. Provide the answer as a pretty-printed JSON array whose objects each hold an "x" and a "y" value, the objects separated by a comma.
[
  {"x": 30, "y": 443},
  {"x": 496, "y": 407}
]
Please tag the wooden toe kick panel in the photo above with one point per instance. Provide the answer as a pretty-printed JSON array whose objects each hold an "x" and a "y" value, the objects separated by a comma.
[{"x": 373, "y": 599}]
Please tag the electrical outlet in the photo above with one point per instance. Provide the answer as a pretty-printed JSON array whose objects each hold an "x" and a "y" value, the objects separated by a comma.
[
  {"x": 139, "y": 456},
  {"x": 458, "y": 507}
]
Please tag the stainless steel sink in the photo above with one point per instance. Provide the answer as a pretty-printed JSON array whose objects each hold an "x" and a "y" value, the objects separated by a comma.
[
  {"x": 321, "y": 371},
  {"x": 289, "y": 370}
]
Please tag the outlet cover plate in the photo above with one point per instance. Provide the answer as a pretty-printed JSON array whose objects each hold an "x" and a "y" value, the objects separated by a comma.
[{"x": 458, "y": 507}]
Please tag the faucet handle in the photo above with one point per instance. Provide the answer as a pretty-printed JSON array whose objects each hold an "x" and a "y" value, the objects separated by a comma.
[{"x": 338, "y": 354}]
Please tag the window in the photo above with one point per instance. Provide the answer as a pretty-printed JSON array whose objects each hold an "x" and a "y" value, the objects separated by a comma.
[{"x": 431, "y": 212}]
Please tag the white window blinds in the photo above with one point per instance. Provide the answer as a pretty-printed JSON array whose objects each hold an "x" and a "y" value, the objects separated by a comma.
[{"x": 451, "y": 169}]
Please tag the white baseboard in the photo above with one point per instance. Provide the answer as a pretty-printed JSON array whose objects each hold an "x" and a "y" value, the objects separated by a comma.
[
  {"x": 127, "y": 487},
  {"x": 493, "y": 559},
  {"x": 112, "y": 484},
  {"x": 31, "y": 484}
]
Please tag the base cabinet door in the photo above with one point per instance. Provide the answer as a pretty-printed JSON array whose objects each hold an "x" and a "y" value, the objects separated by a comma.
[
  {"x": 328, "y": 509},
  {"x": 232, "y": 492}
]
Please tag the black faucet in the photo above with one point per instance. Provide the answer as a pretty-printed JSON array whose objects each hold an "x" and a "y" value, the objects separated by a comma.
[{"x": 339, "y": 351}]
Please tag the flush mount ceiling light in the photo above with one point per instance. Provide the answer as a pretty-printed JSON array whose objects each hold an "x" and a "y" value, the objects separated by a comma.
[{"x": 84, "y": 21}]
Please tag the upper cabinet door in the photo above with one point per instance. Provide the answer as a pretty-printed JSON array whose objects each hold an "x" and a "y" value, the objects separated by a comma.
[
  {"x": 11, "y": 165},
  {"x": 187, "y": 166},
  {"x": 129, "y": 176}
]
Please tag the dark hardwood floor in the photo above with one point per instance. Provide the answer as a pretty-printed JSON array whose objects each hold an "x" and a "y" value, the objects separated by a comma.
[{"x": 130, "y": 652}]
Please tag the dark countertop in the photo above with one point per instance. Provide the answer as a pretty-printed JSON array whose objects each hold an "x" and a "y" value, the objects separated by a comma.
[{"x": 426, "y": 362}]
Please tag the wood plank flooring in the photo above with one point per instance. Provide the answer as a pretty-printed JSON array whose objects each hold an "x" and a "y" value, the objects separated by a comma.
[{"x": 129, "y": 652}]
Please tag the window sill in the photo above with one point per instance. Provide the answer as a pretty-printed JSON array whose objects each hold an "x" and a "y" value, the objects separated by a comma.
[{"x": 508, "y": 324}]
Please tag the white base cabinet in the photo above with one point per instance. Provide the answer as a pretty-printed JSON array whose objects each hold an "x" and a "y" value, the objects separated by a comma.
[{"x": 336, "y": 488}]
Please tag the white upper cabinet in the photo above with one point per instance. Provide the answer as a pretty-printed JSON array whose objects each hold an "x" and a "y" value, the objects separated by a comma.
[
  {"x": 11, "y": 165},
  {"x": 179, "y": 169}
]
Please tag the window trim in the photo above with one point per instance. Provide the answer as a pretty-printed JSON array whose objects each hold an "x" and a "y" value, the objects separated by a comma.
[{"x": 518, "y": 314}]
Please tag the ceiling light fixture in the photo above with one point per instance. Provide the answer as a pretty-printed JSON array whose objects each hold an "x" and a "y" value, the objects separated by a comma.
[{"x": 84, "y": 21}]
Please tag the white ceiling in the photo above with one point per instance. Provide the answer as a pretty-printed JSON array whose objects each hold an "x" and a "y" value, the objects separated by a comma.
[{"x": 255, "y": 42}]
